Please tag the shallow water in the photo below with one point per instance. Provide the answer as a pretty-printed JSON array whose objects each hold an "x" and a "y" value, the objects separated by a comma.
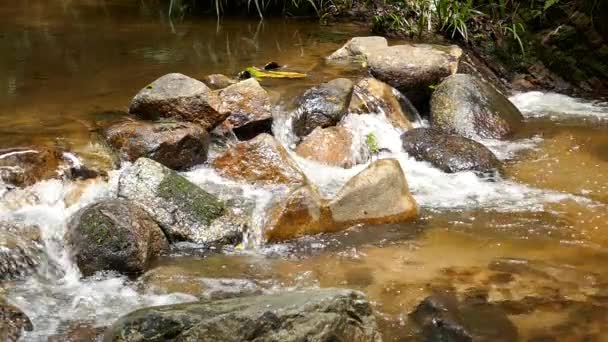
[{"x": 534, "y": 240}]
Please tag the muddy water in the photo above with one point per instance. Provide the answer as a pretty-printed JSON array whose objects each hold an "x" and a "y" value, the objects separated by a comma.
[{"x": 533, "y": 244}]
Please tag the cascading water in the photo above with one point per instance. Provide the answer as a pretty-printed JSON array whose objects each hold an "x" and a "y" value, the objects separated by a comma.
[{"x": 57, "y": 295}]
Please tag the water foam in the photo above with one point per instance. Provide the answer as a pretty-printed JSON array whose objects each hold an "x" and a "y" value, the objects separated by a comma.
[{"x": 541, "y": 104}]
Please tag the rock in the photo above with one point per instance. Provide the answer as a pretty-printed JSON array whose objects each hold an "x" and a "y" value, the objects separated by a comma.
[
  {"x": 465, "y": 105},
  {"x": 311, "y": 315},
  {"x": 114, "y": 235},
  {"x": 449, "y": 152},
  {"x": 179, "y": 97},
  {"x": 322, "y": 106},
  {"x": 79, "y": 331},
  {"x": 331, "y": 146},
  {"x": 184, "y": 211},
  {"x": 303, "y": 212},
  {"x": 442, "y": 317},
  {"x": 377, "y": 195},
  {"x": 371, "y": 96},
  {"x": 177, "y": 145},
  {"x": 247, "y": 105},
  {"x": 21, "y": 251},
  {"x": 412, "y": 68},
  {"x": 218, "y": 81},
  {"x": 262, "y": 160},
  {"x": 25, "y": 166},
  {"x": 358, "y": 48},
  {"x": 12, "y": 322}
]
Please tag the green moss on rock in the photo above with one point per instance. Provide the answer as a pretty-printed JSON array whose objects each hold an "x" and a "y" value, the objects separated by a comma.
[{"x": 190, "y": 198}]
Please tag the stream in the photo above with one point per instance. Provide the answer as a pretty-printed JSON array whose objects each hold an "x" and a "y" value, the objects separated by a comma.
[{"x": 534, "y": 240}]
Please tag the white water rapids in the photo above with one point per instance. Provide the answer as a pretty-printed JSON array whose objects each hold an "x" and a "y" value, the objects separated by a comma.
[{"x": 58, "y": 294}]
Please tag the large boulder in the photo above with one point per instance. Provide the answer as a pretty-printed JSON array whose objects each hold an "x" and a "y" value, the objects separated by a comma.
[
  {"x": 466, "y": 105},
  {"x": 114, "y": 235},
  {"x": 26, "y": 166},
  {"x": 184, "y": 211},
  {"x": 449, "y": 152},
  {"x": 177, "y": 145},
  {"x": 248, "y": 107},
  {"x": 178, "y": 97},
  {"x": 12, "y": 322},
  {"x": 331, "y": 146},
  {"x": 414, "y": 68},
  {"x": 310, "y": 315},
  {"x": 377, "y": 195},
  {"x": 262, "y": 160},
  {"x": 358, "y": 49},
  {"x": 322, "y": 106},
  {"x": 21, "y": 251},
  {"x": 371, "y": 96}
]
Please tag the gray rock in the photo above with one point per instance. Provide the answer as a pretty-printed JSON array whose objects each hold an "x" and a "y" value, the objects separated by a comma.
[
  {"x": 177, "y": 145},
  {"x": 21, "y": 251},
  {"x": 449, "y": 152},
  {"x": 322, "y": 106},
  {"x": 178, "y": 97},
  {"x": 114, "y": 235},
  {"x": 184, "y": 211},
  {"x": 12, "y": 322},
  {"x": 358, "y": 48},
  {"x": 465, "y": 105},
  {"x": 311, "y": 315}
]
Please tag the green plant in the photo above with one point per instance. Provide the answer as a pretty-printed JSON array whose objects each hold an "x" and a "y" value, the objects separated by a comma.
[
  {"x": 372, "y": 143},
  {"x": 513, "y": 31}
]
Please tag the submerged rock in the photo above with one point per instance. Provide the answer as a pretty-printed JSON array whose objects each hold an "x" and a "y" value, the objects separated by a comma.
[
  {"x": 311, "y": 315},
  {"x": 371, "y": 96},
  {"x": 114, "y": 235},
  {"x": 377, "y": 195},
  {"x": 331, "y": 146},
  {"x": 26, "y": 166},
  {"x": 218, "y": 81},
  {"x": 414, "y": 66},
  {"x": 21, "y": 251},
  {"x": 358, "y": 49},
  {"x": 177, "y": 145},
  {"x": 449, "y": 152},
  {"x": 12, "y": 322},
  {"x": 247, "y": 105},
  {"x": 262, "y": 160},
  {"x": 442, "y": 317},
  {"x": 184, "y": 211},
  {"x": 322, "y": 106},
  {"x": 178, "y": 97},
  {"x": 465, "y": 105}
]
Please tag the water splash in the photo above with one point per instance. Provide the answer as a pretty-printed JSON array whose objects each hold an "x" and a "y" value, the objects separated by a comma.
[{"x": 540, "y": 104}]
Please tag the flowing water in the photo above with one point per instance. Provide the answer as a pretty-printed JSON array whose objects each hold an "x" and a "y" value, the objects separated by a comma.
[{"x": 534, "y": 240}]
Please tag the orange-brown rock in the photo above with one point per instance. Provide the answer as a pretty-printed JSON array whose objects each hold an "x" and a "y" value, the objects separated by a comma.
[
  {"x": 371, "y": 96},
  {"x": 262, "y": 160},
  {"x": 377, "y": 195},
  {"x": 248, "y": 107},
  {"x": 331, "y": 146},
  {"x": 26, "y": 166}
]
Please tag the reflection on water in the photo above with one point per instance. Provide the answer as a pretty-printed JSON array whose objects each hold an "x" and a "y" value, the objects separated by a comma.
[
  {"x": 62, "y": 61},
  {"x": 533, "y": 245}
]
